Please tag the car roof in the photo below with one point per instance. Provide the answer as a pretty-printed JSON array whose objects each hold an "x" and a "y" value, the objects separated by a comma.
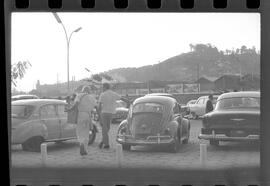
[
  {"x": 157, "y": 99},
  {"x": 24, "y": 96},
  {"x": 37, "y": 102},
  {"x": 240, "y": 94},
  {"x": 162, "y": 94}
]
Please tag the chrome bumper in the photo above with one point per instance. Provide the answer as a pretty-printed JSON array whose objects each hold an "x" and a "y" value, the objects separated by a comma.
[
  {"x": 223, "y": 137},
  {"x": 150, "y": 140}
]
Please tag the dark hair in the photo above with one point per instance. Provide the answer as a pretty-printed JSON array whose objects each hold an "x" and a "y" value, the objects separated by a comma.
[
  {"x": 106, "y": 86},
  {"x": 210, "y": 96}
]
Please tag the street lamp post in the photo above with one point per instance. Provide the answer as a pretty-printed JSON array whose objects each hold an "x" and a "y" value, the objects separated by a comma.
[{"x": 68, "y": 38}]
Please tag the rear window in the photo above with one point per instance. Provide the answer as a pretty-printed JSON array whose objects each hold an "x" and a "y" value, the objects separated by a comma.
[
  {"x": 148, "y": 107},
  {"x": 240, "y": 102},
  {"x": 21, "y": 111}
]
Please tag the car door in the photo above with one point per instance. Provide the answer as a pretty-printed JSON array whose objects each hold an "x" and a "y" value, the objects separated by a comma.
[
  {"x": 49, "y": 118},
  {"x": 68, "y": 130}
]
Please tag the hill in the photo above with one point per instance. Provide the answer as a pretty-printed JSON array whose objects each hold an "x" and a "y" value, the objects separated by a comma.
[{"x": 202, "y": 60}]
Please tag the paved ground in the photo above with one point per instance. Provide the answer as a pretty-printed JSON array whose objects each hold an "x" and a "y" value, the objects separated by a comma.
[{"x": 226, "y": 155}]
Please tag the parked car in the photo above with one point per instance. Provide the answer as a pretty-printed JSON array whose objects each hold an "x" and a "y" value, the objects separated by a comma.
[
  {"x": 198, "y": 109},
  {"x": 35, "y": 121},
  {"x": 121, "y": 112},
  {"x": 236, "y": 117},
  {"x": 25, "y": 96},
  {"x": 154, "y": 120}
]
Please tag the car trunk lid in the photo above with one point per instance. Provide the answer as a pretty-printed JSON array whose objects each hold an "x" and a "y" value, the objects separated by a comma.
[{"x": 146, "y": 124}]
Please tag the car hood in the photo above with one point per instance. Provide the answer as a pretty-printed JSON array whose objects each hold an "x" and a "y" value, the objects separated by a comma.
[
  {"x": 16, "y": 121},
  {"x": 146, "y": 124}
]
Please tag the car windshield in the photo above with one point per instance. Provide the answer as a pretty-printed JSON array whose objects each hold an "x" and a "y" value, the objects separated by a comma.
[
  {"x": 21, "y": 111},
  {"x": 238, "y": 102},
  {"x": 148, "y": 107}
]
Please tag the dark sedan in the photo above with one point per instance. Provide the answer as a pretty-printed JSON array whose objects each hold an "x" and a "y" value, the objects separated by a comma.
[
  {"x": 154, "y": 120},
  {"x": 236, "y": 117}
]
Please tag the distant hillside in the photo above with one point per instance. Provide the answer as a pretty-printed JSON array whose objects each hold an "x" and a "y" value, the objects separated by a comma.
[{"x": 202, "y": 60}]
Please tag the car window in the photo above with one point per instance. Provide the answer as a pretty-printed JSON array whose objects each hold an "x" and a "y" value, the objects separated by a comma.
[
  {"x": 148, "y": 107},
  {"x": 61, "y": 111},
  {"x": 22, "y": 111},
  {"x": 238, "y": 102},
  {"x": 47, "y": 111}
]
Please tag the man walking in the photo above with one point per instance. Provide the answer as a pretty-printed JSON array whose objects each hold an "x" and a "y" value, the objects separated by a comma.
[
  {"x": 209, "y": 104},
  {"x": 85, "y": 103},
  {"x": 107, "y": 106}
]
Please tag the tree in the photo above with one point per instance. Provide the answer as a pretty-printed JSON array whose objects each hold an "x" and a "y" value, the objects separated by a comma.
[{"x": 18, "y": 71}]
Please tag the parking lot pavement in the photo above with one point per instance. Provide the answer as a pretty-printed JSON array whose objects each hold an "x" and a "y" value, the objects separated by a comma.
[{"x": 66, "y": 154}]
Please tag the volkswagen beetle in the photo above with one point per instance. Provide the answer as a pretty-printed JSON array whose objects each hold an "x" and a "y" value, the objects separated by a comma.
[
  {"x": 236, "y": 117},
  {"x": 154, "y": 120}
]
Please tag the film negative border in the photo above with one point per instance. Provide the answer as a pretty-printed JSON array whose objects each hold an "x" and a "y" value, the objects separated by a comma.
[
  {"x": 166, "y": 6},
  {"x": 136, "y": 5}
]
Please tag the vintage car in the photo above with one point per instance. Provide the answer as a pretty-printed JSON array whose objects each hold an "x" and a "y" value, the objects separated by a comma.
[
  {"x": 236, "y": 117},
  {"x": 34, "y": 121},
  {"x": 198, "y": 109},
  {"x": 154, "y": 120},
  {"x": 24, "y": 96},
  {"x": 121, "y": 112}
]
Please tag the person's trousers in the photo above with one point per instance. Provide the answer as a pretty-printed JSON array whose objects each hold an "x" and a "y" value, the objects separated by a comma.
[
  {"x": 82, "y": 130},
  {"x": 105, "y": 124}
]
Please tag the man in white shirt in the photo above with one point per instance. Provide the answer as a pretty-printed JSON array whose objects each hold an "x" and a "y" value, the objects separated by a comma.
[
  {"x": 86, "y": 104},
  {"x": 107, "y": 106}
]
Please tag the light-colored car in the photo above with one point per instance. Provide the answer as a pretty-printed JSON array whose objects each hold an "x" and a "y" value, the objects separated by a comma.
[
  {"x": 198, "y": 109},
  {"x": 35, "y": 121}
]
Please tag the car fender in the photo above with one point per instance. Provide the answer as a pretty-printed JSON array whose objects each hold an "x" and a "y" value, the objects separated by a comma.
[
  {"x": 27, "y": 130},
  {"x": 122, "y": 124},
  {"x": 185, "y": 125},
  {"x": 173, "y": 127}
]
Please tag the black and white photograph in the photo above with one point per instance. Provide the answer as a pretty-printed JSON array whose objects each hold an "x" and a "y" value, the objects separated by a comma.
[{"x": 135, "y": 90}]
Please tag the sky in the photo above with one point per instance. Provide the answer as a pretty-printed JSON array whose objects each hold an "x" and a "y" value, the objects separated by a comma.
[{"x": 114, "y": 40}]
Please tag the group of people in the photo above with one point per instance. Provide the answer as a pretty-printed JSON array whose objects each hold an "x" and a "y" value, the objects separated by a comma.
[{"x": 85, "y": 102}]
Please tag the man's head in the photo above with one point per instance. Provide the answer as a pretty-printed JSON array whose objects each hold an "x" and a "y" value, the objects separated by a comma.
[
  {"x": 86, "y": 89},
  {"x": 210, "y": 97},
  {"x": 106, "y": 86}
]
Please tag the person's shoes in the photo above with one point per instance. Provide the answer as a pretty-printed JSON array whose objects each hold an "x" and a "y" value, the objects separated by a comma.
[
  {"x": 100, "y": 145},
  {"x": 106, "y": 147}
]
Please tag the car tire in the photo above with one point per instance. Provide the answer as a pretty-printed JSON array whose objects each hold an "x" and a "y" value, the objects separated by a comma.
[
  {"x": 126, "y": 147},
  {"x": 214, "y": 142},
  {"x": 92, "y": 136},
  {"x": 33, "y": 144}
]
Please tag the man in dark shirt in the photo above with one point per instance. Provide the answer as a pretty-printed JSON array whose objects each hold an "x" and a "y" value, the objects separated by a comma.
[{"x": 209, "y": 104}]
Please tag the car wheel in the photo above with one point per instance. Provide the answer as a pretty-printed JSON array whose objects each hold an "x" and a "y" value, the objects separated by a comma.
[
  {"x": 214, "y": 142},
  {"x": 92, "y": 136},
  {"x": 33, "y": 144},
  {"x": 126, "y": 147}
]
